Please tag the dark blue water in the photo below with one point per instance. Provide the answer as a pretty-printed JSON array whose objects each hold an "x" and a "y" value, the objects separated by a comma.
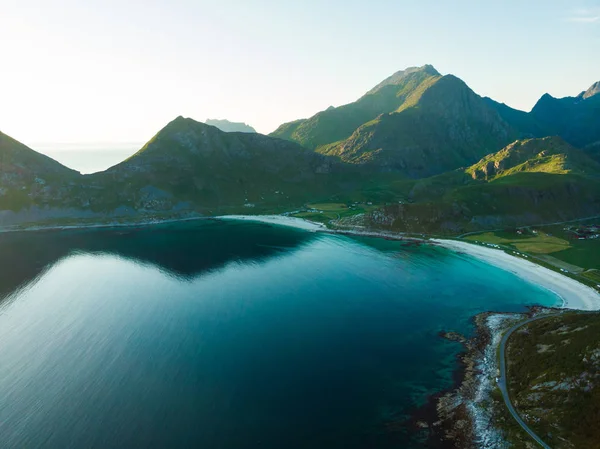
[{"x": 228, "y": 335}]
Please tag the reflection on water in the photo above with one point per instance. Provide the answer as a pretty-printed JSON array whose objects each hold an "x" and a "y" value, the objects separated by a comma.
[
  {"x": 181, "y": 249},
  {"x": 229, "y": 335}
]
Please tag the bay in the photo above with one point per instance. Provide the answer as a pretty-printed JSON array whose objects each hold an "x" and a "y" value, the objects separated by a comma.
[{"x": 224, "y": 334}]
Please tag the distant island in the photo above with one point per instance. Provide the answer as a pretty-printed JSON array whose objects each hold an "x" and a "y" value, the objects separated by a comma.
[{"x": 230, "y": 127}]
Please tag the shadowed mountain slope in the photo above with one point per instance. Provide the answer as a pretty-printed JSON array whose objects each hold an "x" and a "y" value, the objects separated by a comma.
[
  {"x": 575, "y": 119},
  {"x": 26, "y": 176}
]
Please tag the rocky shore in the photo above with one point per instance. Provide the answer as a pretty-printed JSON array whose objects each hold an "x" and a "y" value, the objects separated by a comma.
[{"x": 470, "y": 416}]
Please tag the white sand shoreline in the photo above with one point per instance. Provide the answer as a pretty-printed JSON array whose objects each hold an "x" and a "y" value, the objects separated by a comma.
[
  {"x": 299, "y": 223},
  {"x": 574, "y": 294}
]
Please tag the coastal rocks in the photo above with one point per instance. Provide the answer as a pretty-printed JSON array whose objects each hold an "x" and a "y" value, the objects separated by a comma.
[
  {"x": 380, "y": 218},
  {"x": 467, "y": 413},
  {"x": 454, "y": 336}
]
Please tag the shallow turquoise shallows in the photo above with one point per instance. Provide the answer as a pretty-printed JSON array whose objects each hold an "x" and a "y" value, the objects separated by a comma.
[{"x": 230, "y": 335}]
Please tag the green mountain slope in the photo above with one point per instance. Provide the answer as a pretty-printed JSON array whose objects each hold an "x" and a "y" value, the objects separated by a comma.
[
  {"x": 547, "y": 155},
  {"x": 335, "y": 124},
  {"x": 442, "y": 127},
  {"x": 402, "y": 143},
  {"x": 528, "y": 182},
  {"x": 27, "y": 177},
  {"x": 192, "y": 165}
]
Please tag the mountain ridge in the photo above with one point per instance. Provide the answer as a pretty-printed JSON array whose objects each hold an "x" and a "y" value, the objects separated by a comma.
[
  {"x": 527, "y": 182},
  {"x": 460, "y": 160},
  {"x": 593, "y": 90},
  {"x": 446, "y": 125},
  {"x": 332, "y": 125},
  {"x": 229, "y": 127}
]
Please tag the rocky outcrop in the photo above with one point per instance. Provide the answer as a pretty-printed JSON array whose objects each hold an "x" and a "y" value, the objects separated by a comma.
[{"x": 593, "y": 90}]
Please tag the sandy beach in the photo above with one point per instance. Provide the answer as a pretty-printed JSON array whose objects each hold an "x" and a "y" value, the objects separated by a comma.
[
  {"x": 575, "y": 295},
  {"x": 281, "y": 220}
]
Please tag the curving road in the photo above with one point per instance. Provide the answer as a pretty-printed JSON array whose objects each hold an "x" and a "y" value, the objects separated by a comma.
[{"x": 502, "y": 380}]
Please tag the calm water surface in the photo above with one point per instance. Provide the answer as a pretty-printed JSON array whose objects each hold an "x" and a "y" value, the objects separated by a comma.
[
  {"x": 91, "y": 160},
  {"x": 228, "y": 335}
]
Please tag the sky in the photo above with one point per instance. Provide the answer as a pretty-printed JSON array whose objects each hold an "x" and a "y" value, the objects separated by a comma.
[{"x": 106, "y": 71}]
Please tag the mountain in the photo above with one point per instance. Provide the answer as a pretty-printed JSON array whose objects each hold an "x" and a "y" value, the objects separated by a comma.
[
  {"x": 191, "y": 165},
  {"x": 437, "y": 155},
  {"x": 575, "y": 119},
  {"x": 335, "y": 124},
  {"x": 524, "y": 122},
  {"x": 528, "y": 182},
  {"x": 441, "y": 127},
  {"x": 547, "y": 155},
  {"x": 187, "y": 167},
  {"x": 416, "y": 122},
  {"x": 27, "y": 176},
  {"x": 593, "y": 90},
  {"x": 230, "y": 127}
]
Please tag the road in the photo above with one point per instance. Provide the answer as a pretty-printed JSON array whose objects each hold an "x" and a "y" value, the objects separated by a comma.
[{"x": 502, "y": 380}]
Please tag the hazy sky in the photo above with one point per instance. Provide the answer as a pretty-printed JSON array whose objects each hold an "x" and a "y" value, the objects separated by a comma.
[{"x": 119, "y": 70}]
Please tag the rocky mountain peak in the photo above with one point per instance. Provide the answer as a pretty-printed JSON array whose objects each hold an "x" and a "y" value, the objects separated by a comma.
[
  {"x": 593, "y": 90},
  {"x": 400, "y": 75}
]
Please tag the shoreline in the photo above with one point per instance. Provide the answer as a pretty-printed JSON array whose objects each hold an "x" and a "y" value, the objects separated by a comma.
[
  {"x": 574, "y": 294},
  {"x": 68, "y": 227},
  {"x": 281, "y": 220},
  {"x": 464, "y": 412},
  {"x": 468, "y": 412}
]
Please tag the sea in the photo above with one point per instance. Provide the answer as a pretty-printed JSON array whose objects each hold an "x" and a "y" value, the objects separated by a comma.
[
  {"x": 88, "y": 157},
  {"x": 231, "y": 335}
]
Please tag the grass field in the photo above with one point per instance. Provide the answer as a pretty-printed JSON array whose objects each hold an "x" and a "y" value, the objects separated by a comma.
[
  {"x": 537, "y": 244},
  {"x": 326, "y": 212},
  {"x": 553, "y": 379},
  {"x": 593, "y": 275},
  {"x": 553, "y": 247}
]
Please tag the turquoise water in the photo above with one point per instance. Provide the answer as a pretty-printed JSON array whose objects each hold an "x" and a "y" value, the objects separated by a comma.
[{"x": 230, "y": 335}]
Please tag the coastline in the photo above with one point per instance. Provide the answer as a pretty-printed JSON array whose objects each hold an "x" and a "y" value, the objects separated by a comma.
[
  {"x": 574, "y": 294},
  {"x": 467, "y": 411},
  {"x": 281, "y": 220},
  {"x": 463, "y": 414},
  {"x": 113, "y": 224}
]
